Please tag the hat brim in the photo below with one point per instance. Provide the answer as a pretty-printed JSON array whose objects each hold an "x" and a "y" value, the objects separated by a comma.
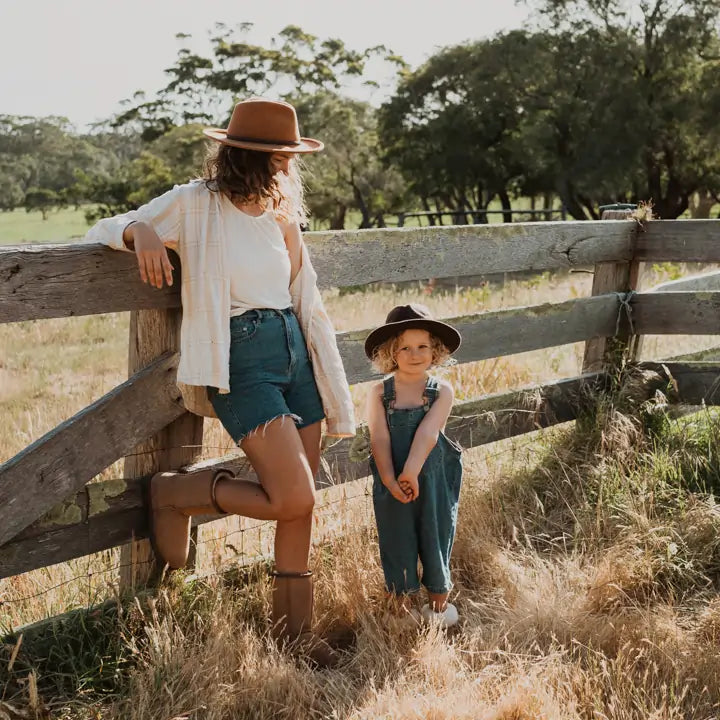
[
  {"x": 449, "y": 336},
  {"x": 306, "y": 145}
]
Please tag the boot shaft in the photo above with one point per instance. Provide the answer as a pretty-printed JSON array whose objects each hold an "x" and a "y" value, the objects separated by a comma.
[
  {"x": 292, "y": 604},
  {"x": 293, "y": 619}
]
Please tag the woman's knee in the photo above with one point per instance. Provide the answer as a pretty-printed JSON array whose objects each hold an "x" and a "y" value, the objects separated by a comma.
[{"x": 296, "y": 504}]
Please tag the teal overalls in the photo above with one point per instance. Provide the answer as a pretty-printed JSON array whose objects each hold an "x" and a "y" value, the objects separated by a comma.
[{"x": 425, "y": 528}]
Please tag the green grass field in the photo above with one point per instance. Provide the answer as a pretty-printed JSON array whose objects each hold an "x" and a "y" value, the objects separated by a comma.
[{"x": 18, "y": 227}]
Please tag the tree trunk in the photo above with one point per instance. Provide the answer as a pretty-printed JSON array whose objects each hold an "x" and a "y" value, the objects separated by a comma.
[
  {"x": 548, "y": 200},
  {"x": 363, "y": 207},
  {"x": 571, "y": 203},
  {"x": 338, "y": 221},
  {"x": 426, "y": 207},
  {"x": 589, "y": 206},
  {"x": 701, "y": 203},
  {"x": 506, "y": 205}
]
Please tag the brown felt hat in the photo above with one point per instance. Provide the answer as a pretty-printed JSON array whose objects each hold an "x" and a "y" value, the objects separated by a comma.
[
  {"x": 265, "y": 125},
  {"x": 415, "y": 315}
]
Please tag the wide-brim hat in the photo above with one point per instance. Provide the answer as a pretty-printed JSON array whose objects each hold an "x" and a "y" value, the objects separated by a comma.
[
  {"x": 265, "y": 125},
  {"x": 405, "y": 317}
]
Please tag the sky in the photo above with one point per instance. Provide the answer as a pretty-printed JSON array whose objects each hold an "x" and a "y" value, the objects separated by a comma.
[{"x": 79, "y": 58}]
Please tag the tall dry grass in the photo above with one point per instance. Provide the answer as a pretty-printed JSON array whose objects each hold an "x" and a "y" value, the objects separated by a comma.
[{"x": 579, "y": 598}]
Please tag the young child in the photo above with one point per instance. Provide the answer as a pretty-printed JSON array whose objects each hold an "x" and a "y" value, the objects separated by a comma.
[{"x": 416, "y": 469}]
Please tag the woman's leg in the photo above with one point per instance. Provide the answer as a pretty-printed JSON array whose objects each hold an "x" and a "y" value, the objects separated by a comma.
[
  {"x": 292, "y": 537},
  {"x": 286, "y": 491},
  {"x": 292, "y": 606}
]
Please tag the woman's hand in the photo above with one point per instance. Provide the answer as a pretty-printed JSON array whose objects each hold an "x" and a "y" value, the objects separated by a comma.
[
  {"x": 152, "y": 256},
  {"x": 409, "y": 484}
]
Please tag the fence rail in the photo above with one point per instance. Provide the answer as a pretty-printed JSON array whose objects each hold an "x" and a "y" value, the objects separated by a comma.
[{"x": 49, "y": 513}]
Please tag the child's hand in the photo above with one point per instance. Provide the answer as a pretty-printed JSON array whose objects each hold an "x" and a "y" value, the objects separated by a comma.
[
  {"x": 409, "y": 485},
  {"x": 396, "y": 491}
]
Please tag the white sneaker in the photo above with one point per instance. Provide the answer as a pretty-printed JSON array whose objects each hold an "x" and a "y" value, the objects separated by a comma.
[{"x": 447, "y": 618}]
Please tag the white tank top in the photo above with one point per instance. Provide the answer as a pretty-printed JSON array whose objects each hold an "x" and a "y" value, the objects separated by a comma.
[{"x": 258, "y": 263}]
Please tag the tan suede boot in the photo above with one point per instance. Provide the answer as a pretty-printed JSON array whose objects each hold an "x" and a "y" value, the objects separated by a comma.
[
  {"x": 293, "y": 615},
  {"x": 173, "y": 499}
]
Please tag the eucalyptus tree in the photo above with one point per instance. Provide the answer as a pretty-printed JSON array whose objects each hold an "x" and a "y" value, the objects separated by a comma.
[
  {"x": 204, "y": 87},
  {"x": 521, "y": 113},
  {"x": 297, "y": 66},
  {"x": 447, "y": 129},
  {"x": 348, "y": 174},
  {"x": 669, "y": 48},
  {"x": 38, "y": 159}
]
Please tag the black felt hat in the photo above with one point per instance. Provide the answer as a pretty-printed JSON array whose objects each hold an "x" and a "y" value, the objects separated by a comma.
[{"x": 404, "y": 317}]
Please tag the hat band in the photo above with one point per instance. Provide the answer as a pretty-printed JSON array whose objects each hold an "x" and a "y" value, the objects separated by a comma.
[{"x": 240, "y": 138}]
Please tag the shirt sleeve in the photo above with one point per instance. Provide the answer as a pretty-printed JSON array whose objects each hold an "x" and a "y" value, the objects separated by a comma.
[{"x": 162, "y": 213}]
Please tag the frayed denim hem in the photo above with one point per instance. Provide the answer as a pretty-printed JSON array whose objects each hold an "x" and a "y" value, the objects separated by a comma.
[{"x": 262, "y": 427}]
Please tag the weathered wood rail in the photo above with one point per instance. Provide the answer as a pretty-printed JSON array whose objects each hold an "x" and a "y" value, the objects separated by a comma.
[{"x": 50, "y": 512}]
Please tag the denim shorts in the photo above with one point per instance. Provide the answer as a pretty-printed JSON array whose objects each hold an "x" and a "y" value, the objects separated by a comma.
[{"x": 270, "y": 374}]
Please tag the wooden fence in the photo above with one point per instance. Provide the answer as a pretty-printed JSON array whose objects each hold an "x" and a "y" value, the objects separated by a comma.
[{"x": 50, "y": 512}]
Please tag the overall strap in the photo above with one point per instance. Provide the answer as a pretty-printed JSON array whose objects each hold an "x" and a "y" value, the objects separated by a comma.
[
  {"x": 389, "y": 393},
  {"x": 431, "y": 393}
]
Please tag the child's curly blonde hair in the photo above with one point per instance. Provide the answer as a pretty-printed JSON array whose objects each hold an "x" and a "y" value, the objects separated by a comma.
[{"x": 383, "y": 359}]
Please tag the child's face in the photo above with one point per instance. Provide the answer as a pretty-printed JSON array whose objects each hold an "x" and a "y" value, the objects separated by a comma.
[{"x": 414, "y": 351}]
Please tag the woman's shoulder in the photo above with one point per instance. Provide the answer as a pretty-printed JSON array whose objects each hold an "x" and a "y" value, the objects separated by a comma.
[
  {"x": 194, "y": 187},
  {"x": 186, "y": 192},
  {"x": 286, "y": 224}
]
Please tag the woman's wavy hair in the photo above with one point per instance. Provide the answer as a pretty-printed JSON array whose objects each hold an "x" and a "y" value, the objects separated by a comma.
[
  {"x": 246, "y": 175},
  {"x": 383, "y": 358}
]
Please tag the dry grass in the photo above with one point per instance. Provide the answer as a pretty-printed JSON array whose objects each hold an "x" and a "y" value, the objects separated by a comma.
[
  {"x": 585, "y": 563},
  {"x": 607, "y": 624}
]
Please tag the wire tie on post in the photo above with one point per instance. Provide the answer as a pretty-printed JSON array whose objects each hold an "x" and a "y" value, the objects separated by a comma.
[{"x": 625, "y": 299}]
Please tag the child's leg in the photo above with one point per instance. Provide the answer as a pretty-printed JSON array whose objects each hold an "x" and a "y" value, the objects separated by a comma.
[
  {"x": 439, "y": 497},
  {"x": 397, "y": 540}
]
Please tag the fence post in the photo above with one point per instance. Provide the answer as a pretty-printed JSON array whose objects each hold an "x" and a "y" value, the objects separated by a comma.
[
  {"x": 613, "y": 277},
  {"x": 152, "y": 333}
]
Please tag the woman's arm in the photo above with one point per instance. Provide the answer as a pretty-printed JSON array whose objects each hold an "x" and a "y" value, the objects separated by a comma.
[
  {"x": 426, "y": 436},
  {"x": 293, "y": 241},
  {"x": 146, "y": 231},
  {"x": 380, "y": 442}
]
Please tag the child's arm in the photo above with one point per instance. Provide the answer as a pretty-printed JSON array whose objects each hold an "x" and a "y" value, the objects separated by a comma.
[
  {"x": 380, "y": 442},
  {"x": 426, "y": 436}
]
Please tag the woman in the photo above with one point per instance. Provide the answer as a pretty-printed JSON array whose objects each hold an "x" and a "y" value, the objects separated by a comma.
[{"x": 255, "y": 341}]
